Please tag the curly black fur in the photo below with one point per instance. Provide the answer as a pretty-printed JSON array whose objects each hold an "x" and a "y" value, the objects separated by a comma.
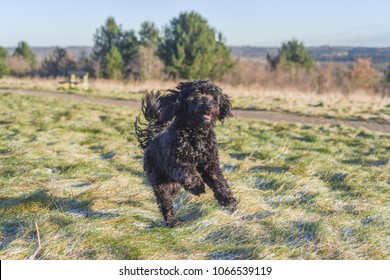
[{"x": 180, "y": 144}]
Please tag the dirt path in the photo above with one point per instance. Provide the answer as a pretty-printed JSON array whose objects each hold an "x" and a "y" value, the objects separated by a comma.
[{"x": 264, "y": 115}]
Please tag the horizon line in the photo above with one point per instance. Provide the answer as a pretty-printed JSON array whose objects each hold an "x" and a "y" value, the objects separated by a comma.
[{"x": 239, "y": 46}]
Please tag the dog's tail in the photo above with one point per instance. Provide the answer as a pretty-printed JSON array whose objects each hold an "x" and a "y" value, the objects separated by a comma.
[{"x": 155, "y": 112}]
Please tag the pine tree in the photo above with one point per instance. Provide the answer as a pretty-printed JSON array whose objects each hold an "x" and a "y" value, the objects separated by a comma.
[
  {"x": 292, "y": 55},
  {"x": 105, "y": 38},
  {"x": 24, "y": 50},
  {"x": 112, "y": 66},
  {"x": 149, "y": 34},
  {"x": 111, "y": 35},
  {"x": 192, "y": 50}
]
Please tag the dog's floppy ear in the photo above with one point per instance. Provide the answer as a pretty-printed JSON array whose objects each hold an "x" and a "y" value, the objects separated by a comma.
[
  {"x": 168, "y": 105},
  {"x": 224, "y": 107},
  {"x": 149, "y": 106}
]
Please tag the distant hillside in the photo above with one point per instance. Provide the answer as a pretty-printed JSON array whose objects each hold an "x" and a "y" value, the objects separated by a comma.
[
  {"x": 323, "y": 53},
  {"x": 259, "y": 53},
  {"x": 42, "y": 52},
  {"x": 378, "y": 55}
]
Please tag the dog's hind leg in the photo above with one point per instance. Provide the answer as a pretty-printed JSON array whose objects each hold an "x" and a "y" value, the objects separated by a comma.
[
  {"x": 165, "y": 193},
  {"x": 217, "y": 182}
]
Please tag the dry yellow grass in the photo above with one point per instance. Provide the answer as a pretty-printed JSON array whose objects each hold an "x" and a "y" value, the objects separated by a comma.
[
  {"x": 358, "y": 105},
  {"x": 235, "y": 91}
]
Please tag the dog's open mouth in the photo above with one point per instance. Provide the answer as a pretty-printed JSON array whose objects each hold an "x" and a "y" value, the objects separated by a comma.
[{"x": 207, "y": 116}]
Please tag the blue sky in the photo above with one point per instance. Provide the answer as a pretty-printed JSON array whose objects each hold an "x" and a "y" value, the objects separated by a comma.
[{"x": 242, "y": 22}]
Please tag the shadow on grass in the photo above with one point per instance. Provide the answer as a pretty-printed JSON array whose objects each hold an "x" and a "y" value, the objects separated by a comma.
[
  {"x": 43, "y": 199},
  {"x": 305, "y": 138},
  {"x": 12, "y": 228},
  {"x": 191, "y": 213},
  {"x": 118, "y": 248},
  {"x": 232, "y": 254},
  {"x": 301, "y": 232},
  {"x": 132, "y": 171},
  {"x": 292, "y": 233},
  {"x": 185, "y": 215},
  {"x": 9, "y": 230},
  {"x": 271, "y": 169},
  {"x": 362, "y": 162},
  {"x": 236, "y": 237},
  {"x": 266, "y": 184},
  {"x": 335, "y": 181},
  {"x": 239, "y": 156}
]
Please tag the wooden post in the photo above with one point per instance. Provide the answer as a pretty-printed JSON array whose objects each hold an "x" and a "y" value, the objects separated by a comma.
[
  {"x": 85, "y": 81},
  {"x": 72, "y": 81}
]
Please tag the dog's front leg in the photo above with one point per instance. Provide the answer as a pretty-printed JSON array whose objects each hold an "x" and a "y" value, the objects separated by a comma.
[
  {"x": 189, "y": 178},
  {"x": 214, "y": 178}
]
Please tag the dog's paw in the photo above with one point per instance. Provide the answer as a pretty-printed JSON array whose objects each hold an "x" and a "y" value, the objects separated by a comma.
[
  {"x": 229, "y": 202},
  {"x": 195, "y": 186},
  {"x": 173, "y": 223},
  {"x": 231, "y": 207},
  {"x": 197, "y": 190}
]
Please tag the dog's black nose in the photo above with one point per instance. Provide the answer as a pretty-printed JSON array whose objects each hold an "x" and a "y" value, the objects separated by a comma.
[{"x": 209, "y": 107}]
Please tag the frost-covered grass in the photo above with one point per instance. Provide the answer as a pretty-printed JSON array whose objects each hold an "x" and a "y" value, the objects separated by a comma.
[{"x": 73, "y": 171}]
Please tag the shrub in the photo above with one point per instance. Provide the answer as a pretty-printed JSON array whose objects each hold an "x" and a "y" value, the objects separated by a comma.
[
  {"x": 147, "y": 65},
  {"x": 363, "y": 75},
  {"x": 292, "y": 55},
  {"x": 3, "y": 69},
  {"x": 58, "y": 63},
  {"x": 18, "y": 65}
]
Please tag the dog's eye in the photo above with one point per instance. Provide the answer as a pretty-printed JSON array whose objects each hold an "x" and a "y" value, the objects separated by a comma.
[
  {"x": 211, "y": 98},
  {"x": 198, "y": 97}
]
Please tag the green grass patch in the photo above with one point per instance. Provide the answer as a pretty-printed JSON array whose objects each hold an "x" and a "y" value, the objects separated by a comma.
[
  {"x": 75, "y": 169},
  {"x": 325, "y": 106}
]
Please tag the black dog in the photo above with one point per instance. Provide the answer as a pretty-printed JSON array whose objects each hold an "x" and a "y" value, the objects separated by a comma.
[{"x": 180, "y": 144}]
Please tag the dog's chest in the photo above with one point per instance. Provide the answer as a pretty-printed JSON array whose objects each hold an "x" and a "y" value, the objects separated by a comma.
[
  {"x": 202, "y": 151},
  {"x": 197, "y": 147}
]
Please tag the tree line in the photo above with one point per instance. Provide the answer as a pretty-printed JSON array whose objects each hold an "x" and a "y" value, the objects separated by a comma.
[{"x": 188, "y": 48}]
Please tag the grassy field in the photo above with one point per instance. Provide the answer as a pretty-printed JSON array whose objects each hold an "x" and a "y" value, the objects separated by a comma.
[
  {"x": 72, "y": 187},
  {"x": 355, "y": 106}
]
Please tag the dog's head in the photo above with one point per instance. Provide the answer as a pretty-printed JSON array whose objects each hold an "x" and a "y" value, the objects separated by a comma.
[{"x": 200, "y": 102}]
